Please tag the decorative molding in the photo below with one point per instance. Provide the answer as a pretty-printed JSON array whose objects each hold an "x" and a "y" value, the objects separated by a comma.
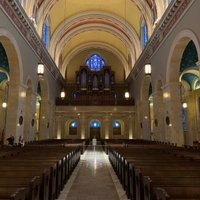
[
  {"x": 21, "y": 21},
  {"x": 170, "y": 18}
]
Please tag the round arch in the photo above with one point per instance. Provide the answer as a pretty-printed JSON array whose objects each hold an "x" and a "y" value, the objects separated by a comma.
[
  {"x": 115, "y": 127},
  {"x": 95, "y": 128},
  {"x": 16, "y": 78},
  {"x": 176, "y": 52},
  {"x": 47, "y": 5},
  {"x": 95, "y": 21},
  {"x": 83, "y": 47}
]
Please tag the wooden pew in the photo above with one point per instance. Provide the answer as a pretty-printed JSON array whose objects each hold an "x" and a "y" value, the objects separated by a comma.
[
  {"x": 43, "y": 174},
  {"x": 32, "y": 186},
  {"x": 145, "y": 160},
  {"x": 177, "y": 193},
  {"x": 32, "y": 167},
  {"x": 10, "y": 193},
  {"x": 59, "y": 160}
]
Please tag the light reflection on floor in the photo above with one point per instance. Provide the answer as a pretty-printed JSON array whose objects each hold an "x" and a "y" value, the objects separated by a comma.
[{"x": 93, "y": 179}]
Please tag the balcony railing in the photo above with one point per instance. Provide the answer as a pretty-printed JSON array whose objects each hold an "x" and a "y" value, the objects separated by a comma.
[{"x": 95, "y": 100}]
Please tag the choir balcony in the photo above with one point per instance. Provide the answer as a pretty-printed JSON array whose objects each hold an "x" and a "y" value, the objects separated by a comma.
[{"x": 114, "y": 96}]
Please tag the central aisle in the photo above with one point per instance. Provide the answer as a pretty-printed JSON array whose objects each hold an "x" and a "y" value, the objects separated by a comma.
[{"x": 93, "y": 179}]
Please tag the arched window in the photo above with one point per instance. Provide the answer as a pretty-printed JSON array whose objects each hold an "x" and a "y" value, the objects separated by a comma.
[
  {"x": 95, "y": 124},
  {"x": 73, "y": 127},
  {"x": 95, "y": 62},
  {"x": 73, "y": 124},
  {"x": 116, "y": 124},
  {"x": 116, "y": 127},
  {"x": 144, "y": 34},
  {"x": 46, "y": 33},
  {"x": 4, "y": 66}
]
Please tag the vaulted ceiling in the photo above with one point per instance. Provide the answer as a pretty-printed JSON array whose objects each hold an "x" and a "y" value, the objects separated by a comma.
[{"x": 110, "y": 25}]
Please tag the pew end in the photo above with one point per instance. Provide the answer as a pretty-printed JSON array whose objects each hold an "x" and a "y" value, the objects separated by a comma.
[
  {"x": 12, "y": 193},
  {"x": 160, "y": 194}
]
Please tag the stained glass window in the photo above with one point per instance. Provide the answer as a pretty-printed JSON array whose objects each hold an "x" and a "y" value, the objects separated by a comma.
[
  {"x": 144, "y": 34},
  {"x": 73, "y": 124},
  {"x": 184, "y": 119},
  {"x": 116, "y": 124},
  {"x": 95, "y": 62},
  {"x": 3, "y": 64},
  {"x": 95, "y": 124},
  {"x": 46, "y": 34}
]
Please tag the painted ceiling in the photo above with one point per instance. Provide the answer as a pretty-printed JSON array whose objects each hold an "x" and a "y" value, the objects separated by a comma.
[{"x": 111, "y": 25}]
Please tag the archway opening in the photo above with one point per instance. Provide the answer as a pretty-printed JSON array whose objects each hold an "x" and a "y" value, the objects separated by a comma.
[
  {"x": 73, "y": 127},
  {"x": 95, "y": 129}
]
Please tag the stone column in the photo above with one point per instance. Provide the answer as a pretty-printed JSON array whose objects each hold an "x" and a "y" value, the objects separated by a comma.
[
  {"x": 131, "y": 127},
  {"x": 51, "y": 119},
  {"x": 146, "y": 120},
  {"x": 43, "y": 131},
  {"x": 159, "y": 125},
  {"x": 83, "y": 126},
  {"x": 107, "y": 131},
  {"x": 33, "y": 131},
  {"x": 172, "y": 101},
  {"x": 191, "y": 115},
  {"x": 138, "y": 121},
  {"x": 20, "y": 117},
  {"x": 60, "y": 127},
  {"x": 27, "y": 114}
]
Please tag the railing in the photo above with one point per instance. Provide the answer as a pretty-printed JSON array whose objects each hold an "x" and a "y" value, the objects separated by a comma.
[{"x": 95, "y": 100}]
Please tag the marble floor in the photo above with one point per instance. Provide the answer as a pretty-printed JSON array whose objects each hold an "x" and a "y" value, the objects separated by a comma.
[{"x": 93, "y": 179}]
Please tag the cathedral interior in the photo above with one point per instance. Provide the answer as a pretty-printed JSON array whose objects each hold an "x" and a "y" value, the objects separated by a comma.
[
  {"x": 95, "y": 57},
  {"x": 113, "y": 70}
]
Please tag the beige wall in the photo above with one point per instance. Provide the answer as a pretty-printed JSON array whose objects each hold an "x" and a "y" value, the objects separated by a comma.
[{"x": 23, "y": 69}]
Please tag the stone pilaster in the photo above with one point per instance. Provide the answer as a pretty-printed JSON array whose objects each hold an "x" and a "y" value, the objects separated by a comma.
[
  {"x": 83, "y": 126},
  {"x": 145, "y": 120},
  {"x": 131, "y": 127},
  {"x": 43, "y": 130},
  {"x": 107, "y": 127},
  {"x": 159, "y": 118},
  {"x": 172, "y": 101}
]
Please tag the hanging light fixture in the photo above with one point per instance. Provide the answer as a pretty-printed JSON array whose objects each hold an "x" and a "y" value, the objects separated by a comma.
[
  {"x": 147, "y": 69},
  {"x": 62, "y": 94}
]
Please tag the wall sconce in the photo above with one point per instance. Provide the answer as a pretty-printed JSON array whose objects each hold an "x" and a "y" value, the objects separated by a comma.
[
  {"x": 127, "y": 95},
  {"x": 40, "y": 69},
  {"x": 4, "y": 105},
  {"x": 184, "y": 105},
  {"x": 147, "y": 69},
  {"x": 62, "y": 94}
]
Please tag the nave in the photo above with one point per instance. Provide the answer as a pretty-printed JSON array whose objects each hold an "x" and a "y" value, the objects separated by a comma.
[{"x": 93, "y": 179}]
